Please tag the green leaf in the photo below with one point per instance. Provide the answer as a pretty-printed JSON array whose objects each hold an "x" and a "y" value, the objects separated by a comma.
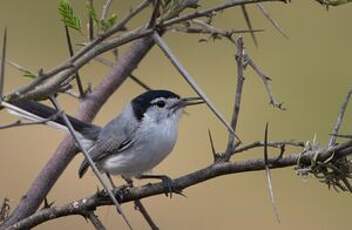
[
  {"x": 29, "y": 74},
  {"x": 92, "y": 13},
  {"x": 101, "y": 24},
  {"x": 68, "y": 16},
  {"x": 112, "y": 20},
  {"x": 107, "y": 24}
]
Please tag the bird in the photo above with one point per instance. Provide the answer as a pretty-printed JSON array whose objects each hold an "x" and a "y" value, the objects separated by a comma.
[{"x": 132, "y": 143}]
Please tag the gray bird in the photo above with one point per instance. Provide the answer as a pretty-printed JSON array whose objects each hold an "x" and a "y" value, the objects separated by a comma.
[{"x": 131, "y": 144}]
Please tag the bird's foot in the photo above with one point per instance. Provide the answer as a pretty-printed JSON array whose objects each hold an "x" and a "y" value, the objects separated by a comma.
[
  {"x": 167, "y": 182},
  {"x": 118, "y": 191},
  {"x": 121, "y": 191}
]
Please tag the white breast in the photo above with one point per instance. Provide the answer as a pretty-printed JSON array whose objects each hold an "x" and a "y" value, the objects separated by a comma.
[{"x": 153, "y": 143}]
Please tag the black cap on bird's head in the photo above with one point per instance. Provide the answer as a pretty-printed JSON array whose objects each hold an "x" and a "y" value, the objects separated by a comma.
[{"x": 141, "y": 103}]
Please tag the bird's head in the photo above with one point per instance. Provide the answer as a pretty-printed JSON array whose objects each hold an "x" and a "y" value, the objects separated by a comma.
[{"x": 160, "y": 105}]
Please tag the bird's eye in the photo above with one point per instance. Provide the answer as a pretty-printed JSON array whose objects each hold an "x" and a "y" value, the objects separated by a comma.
[{"x": 160, "y": 104}]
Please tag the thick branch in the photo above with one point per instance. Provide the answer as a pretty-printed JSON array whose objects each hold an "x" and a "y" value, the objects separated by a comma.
[
  {"x": 89, "y": 107},
  {"x": 181, "y": 183}
]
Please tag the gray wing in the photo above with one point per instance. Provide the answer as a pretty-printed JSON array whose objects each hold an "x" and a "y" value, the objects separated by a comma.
[{"x": 115, "y": 137}]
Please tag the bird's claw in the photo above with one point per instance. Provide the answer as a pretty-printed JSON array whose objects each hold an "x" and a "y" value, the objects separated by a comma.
[
  {"x": 169, "y": 187},
  {"x": 121, "y": 191},
  {"x": 118, "y": 191}
]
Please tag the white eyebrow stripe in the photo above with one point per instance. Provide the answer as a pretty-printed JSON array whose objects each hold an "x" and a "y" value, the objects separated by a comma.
[{"x": 157, "y": 99}]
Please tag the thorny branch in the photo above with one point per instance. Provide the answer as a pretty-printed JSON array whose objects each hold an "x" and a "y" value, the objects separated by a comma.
[
  {"x": 240, "y": 60},
  {"x": 46, "y": 82},
  {"x": 183, "y": 182},
  {"x": 248, "y": 61}
]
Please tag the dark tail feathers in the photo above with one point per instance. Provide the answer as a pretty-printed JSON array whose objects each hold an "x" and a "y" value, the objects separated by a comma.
[{"x": 86, "y": 129}]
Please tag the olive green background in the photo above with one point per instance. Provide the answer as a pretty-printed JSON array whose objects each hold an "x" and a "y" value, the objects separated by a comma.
[{"x": 311, "y": 74}]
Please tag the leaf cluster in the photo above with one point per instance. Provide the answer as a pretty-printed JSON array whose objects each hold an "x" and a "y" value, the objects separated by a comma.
[{"x": 70, "y": 19}]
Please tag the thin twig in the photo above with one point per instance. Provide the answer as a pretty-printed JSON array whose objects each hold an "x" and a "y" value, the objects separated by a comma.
[
  {"x": 20, "y": 123},
  {"x": 277, "y": 144},
  {"x": 93, "y": 218},
  {"x": 265, "y": 79},
  {"x": 156, "y": 13},
  {"x": 139, "y": 82},
  {"x": 20, "y": 68},
  {"x": 249, "y": 61},
  {"x": 271, "y": 20},
  {"x": 249, "y": 24},
  {"x": 70, "y": 50},
  {"x": 146, "y": 215},
  {"x": 239, "y": 57},
  {"x": 91, "y": 162},
  {"x": 139, "y": 206},
  {"x": 105, "y": 9},
  {"x": 90, "y": 22},
  {"x": 211, "y": 11},
  {"x": 268, "y": 175},
  {"x": 207, "y": 28},
  {"x": 116, "y": 28},
  {"x": 162, "y": 45},
  {"x": 193, "y": 30},
  {"x": 2, "y": 65},
  {"x": 339, "y": 119},
  {"x": 110, "y": 64}
]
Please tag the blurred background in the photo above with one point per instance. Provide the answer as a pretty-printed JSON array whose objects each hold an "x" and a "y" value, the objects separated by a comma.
[{"x": 311, "y": 75}]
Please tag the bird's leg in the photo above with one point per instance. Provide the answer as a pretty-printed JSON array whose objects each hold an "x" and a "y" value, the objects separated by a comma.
[
  {"x": 168, "y": 183},
  {"x": 120, "y": 190},
  {"x": 111, "y": 181},
  {"x": 129, "y": 181}
]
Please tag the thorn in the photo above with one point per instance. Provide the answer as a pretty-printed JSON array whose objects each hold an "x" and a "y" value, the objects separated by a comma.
[
  {"x": 249, "y": 24},
  {"x": 216, "y": 156},
  {"x": 3, "y": 61},
  {"x": 268, "y": 174},
  {"x": 271, "y": 20},
  {"x": 47, "y": 204}
]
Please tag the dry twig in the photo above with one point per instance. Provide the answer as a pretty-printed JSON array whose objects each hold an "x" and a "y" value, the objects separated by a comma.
[
  {"x": 249, "y": 24},
  {"x": 2, "y": 65},
  {"x": 70, "y": 50},
  {"x": 339, "y": 119},
  {"x": 271, "y": 20},
  {"x": 184, "y": 73},
  {"x": 268, "y": 175},
  {"x": 240, "y": 60}
]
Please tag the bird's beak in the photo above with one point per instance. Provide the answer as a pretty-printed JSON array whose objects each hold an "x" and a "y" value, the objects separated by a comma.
[{"x": 187, "y": 101}]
